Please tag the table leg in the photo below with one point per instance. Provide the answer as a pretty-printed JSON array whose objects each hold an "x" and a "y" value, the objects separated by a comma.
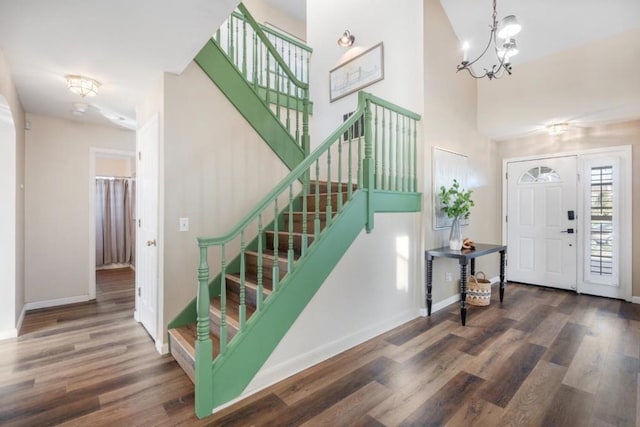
[
  {"x": 429, "y": 279},
  {"x": 463, "y": 291},
  {"x": 473, "y": 266},
  {"x": 502, "y": 265}
]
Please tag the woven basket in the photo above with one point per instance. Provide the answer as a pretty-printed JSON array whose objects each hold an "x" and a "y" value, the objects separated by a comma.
[{"x": 479, "y": 290}]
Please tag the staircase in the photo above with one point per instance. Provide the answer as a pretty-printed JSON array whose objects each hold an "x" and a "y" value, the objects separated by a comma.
[
  {"x": 269, "y": 266},
  {"x": 260, "y": 271}
]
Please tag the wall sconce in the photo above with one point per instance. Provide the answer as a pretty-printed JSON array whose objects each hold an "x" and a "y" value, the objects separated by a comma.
[
  {"x": 347, "y": 39},
  {"x": 82, "y": 86}
]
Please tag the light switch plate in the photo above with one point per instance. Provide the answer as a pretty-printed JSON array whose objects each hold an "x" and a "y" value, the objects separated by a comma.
[{"x": 184, "y": 224}]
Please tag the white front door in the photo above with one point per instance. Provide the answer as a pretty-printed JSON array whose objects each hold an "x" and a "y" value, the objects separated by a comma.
[
  {"x": 542, "y": 222},
  {"x": 147, "y": 243}
]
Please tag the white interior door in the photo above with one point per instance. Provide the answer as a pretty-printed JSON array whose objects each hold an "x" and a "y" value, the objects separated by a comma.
[
  {"x": 147, "y": 243},
  {"x": 541, "y": 234}
]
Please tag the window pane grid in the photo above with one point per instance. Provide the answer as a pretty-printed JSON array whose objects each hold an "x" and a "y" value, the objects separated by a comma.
[{"x": 601, "y": 257}]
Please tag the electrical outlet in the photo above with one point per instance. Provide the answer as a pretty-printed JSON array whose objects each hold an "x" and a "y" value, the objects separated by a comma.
[
  {"x": 184, "y": 224},
  {"x": 448, "y": 276}
]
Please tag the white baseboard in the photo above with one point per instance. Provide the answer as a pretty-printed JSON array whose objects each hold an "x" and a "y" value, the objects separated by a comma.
[
  {"x": 290, "y": 367},
  {"x": 163, "y": 348},
  {"x": 21, "y": 319},
  {"x": 635, "y": 300},
  {"x": 9, "y": 333},
  {"x": 453, "y": 299},
  {"x": 114, "y": 266},
  {"x": 13, "y": 332},
  {"x": 55, "y": 302}
]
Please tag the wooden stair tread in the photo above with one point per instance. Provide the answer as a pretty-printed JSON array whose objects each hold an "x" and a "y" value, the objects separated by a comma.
[
  {"x": 233, "y": 310},
  {"x": 270, "y": 254},
  {"x": 251, "y": 282},
  {"x": 186, "y": 337}
]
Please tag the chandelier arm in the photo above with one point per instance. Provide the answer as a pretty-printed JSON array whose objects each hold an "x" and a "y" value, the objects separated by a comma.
[{"x": 491, "y": 38}]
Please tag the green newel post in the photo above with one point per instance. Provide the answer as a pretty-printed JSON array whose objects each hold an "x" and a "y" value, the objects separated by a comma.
[
  {"x": 367, "y": 165},
  {"x": 204, "y": 347}
]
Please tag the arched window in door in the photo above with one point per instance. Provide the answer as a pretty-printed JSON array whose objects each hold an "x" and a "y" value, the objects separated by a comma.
[{"x": 539, "y": 174}]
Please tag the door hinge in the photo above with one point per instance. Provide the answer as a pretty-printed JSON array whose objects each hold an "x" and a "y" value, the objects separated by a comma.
[
  {"x": 139, "y": 223},
  {"x": 139, "y": 292},
  {"x": 506, "y": 218},
  {"x": 506, "y": 175},
  {"x": 139, "y": 155}
]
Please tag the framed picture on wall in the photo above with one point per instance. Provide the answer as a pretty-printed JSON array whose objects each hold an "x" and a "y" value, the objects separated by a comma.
[
  {"x": 358, "y": 72},
  {"x": 447, "y": 166}
]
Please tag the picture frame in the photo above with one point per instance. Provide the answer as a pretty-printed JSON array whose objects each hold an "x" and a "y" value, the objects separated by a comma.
[
  {"x": 446, "y": 166},
  {"x": 360, "y": 71}
]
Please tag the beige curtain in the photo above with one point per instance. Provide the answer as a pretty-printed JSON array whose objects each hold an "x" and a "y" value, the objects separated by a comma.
[{"x": 115, "y": 230}]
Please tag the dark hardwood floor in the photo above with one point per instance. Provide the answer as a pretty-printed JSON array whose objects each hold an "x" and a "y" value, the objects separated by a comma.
[{"x": 543, "y": 358}]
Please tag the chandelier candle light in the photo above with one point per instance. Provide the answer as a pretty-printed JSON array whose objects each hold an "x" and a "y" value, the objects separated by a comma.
[{"x": 504, "y": 44}]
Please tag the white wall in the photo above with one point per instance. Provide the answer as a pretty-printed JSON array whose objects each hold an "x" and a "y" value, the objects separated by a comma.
[
  {"x": 449, "y": 122},
  {"x": 12, "y": 205},
  {"x": 58, "y": 187},
  {"x": 216, "y": 168},
  {"x": 397, "y": 24},
  {"x": 377, "y": 284}
]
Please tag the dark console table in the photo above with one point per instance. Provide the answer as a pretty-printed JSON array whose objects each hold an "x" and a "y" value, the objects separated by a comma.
[{"x": 464, "y": 257}]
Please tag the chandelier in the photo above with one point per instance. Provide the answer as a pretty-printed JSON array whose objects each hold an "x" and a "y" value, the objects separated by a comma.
[{"x": 504, "y": 45}]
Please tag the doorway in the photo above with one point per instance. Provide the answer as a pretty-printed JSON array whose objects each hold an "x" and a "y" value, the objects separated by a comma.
[
  {"x": 112, "y": 212},
  {"x": 567, "y": 221}
]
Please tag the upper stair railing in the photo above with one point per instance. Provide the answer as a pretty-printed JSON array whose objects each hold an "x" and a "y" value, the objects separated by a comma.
[
  {"x": 374, "y": 149},
  {"x": 276, "y": 66}
]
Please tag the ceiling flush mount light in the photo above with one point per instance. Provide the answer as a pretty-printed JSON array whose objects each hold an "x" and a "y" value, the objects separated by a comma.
[
  {"x": 83, "y": 86},
  {"x": 504, "y": 45},
  {"x": 557, "y": 128},
  {"x": 347, "y": 39}
]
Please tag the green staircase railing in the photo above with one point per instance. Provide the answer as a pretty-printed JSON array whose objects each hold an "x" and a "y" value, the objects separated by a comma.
[
  {"x": 275, "y": 65},
  {"x": 373, "y": 151}
]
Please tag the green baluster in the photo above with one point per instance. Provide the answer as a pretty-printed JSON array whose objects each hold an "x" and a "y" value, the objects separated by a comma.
[
  {"x": 360, "y": 171},
  {"x": 403, "y": 157},
  {"x": 244, "y": 49},
  {"x": 203, "y": 345},
  {"x": 350, "y": 163},
  {"x": 295, "y": 63},
  {"x": 317, "y": 199},
  {"x": 230, "y": 38},
  {"x": 305, "y": 193},
  {"x": 217, "y": 36},
  {"x": 223, "y": 302},
  {"x": 306, "y": 140},
  {"x": 260, "y": 251},
  {"x": 243, "y": 268},
  {"x": 329, "y": 207},
  {"x": 276, "y": 238},
  {"x": 390, "y": 175},
  {"x": 397, "y": 154},
  {"x": 367, "y": 165},
  {"x": 290, "y": 253},
  {"x": 254, "y": 65},
  {"x": 277, "y": 89},
  {"x": 268, "y": 76},
  {"x": 415, "y": 156},
  {"x": 339, "y": 193},
  {"x": 376, "y": 154},
  {"x": 288, "y": 106},
  {"x": 384, "y": 152},
  {"x": 235, "y": 48}
]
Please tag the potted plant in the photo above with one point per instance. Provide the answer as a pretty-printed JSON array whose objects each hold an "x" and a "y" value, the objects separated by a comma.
[{"x": 456, "y": 203}]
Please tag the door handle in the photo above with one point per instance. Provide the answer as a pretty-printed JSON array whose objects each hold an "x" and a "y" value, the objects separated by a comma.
[
  {"x": 568, "y": 230},
  {"x": 151, "y": 242}
]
